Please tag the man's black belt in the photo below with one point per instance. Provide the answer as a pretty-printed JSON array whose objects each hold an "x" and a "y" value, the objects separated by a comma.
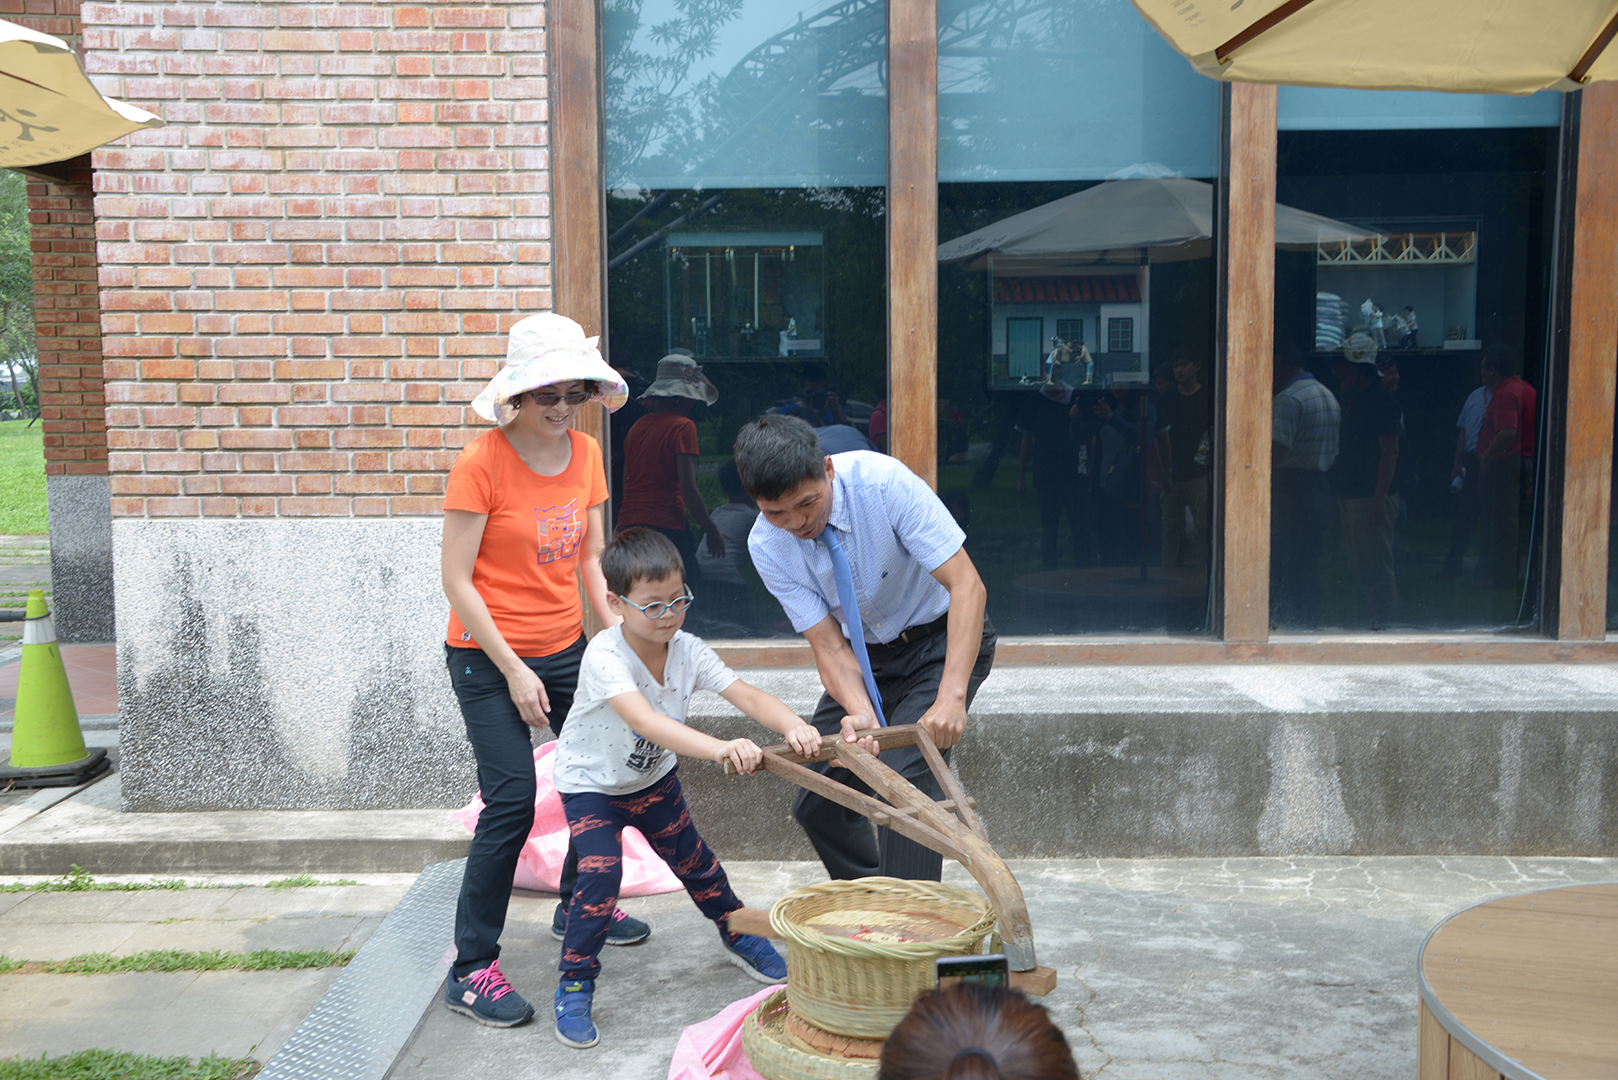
[{"x": 921, "y": 630}]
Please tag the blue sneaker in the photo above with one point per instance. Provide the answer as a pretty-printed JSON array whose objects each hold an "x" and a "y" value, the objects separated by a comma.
[
  {"x": 755, "y": 956},
  {"x": 487, "y": 997},
  {"x": 573, "y": 1025},
  {"x": 622, "y": 930}
]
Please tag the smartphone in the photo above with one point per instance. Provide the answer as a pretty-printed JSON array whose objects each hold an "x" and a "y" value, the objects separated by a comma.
[{"x": 988, "y": 970}]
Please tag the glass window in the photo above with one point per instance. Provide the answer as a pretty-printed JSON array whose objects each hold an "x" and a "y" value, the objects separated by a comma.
[
  {"x": 746, "y": 153},
  {"x": 1076, "y": 153},
  {"x": 1411, "y": 333}
]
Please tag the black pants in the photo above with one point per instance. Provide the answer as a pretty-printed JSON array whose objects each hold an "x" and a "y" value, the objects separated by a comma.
[
  {"x": 1302, "y": 507},
  {"x": 1058, "y": 495},
  {"x": 907, "y": 677},
  {"x": 503, "y": 746}
]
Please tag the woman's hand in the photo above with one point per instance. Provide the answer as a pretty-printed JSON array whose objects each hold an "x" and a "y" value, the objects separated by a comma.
[
  {"x": 528, "y": 694},
  {"x": 743, "y": 754},
  {"x": 716, "y": 542}
]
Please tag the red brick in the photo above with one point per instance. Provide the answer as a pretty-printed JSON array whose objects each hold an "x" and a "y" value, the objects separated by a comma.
[{"x": 308, "y": 506}]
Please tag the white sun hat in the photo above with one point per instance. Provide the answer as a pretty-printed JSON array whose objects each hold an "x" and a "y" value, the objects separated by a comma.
[{"x": 542, "y": 350}]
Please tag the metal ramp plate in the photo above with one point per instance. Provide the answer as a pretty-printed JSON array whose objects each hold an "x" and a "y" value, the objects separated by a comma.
[{"x": 362, "y": 1024}]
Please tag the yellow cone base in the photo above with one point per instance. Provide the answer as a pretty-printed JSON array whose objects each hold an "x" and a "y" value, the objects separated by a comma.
[{"x": 71, "y": 774}]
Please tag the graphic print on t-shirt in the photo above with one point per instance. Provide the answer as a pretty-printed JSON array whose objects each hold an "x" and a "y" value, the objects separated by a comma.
[
  {"x": 645, "y": 756},
  {"x": 560, "y": 529}
]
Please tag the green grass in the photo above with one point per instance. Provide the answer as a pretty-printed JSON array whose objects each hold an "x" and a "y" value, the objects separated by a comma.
[
  {"x": 183, "y": 960},
  {"x": 79, "y": 880},
  {"x": 305, "y": 881},
  {"x": 22, "y": 478},
  {"x": 112, "y": 1065}
]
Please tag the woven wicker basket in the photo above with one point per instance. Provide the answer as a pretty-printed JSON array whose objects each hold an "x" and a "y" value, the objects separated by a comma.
[
  {"x": 863, "y": 988},
  {"x": 776, "y": 1054}
]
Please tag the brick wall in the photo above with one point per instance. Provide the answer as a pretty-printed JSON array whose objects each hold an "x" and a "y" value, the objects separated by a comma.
[
  {"x": 306, "y": 276},
  {"x": 66, "y": 320},
  {"x": 66, "y": 315}
]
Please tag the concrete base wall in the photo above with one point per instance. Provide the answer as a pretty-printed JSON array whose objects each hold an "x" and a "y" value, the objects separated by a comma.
[
  {"x": 289, "y": 664},
  {"x": 1233, "y": 761},
  {"x": 299, "y": 665},
  {"x": 80, "y": 511}
]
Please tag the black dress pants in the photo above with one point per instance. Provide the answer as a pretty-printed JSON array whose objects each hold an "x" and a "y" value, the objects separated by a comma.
[{"x": 907, "y": 677}]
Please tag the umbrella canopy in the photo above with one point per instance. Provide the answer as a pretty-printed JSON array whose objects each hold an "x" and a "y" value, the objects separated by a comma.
[
  {"x": 1468, "y": 46},
  {"x": 48, "y": 109},
  {"x": 1130, "y": 221}
]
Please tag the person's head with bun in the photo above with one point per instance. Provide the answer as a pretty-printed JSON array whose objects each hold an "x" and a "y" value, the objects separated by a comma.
[{"x": 974, "y": 1032}]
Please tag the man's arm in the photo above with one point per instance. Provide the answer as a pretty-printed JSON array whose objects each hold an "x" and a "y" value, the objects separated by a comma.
[
  {"x": 946, "y": 720},
  {"x": 686, "y": 466},
  {"x": 840, "y": 674},
  {"x": 1385, "y": 469},
  {"x": 1499, "y": 447}
]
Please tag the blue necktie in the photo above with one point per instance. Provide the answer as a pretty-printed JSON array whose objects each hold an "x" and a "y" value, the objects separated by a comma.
[{"x": 851, "y": 615}]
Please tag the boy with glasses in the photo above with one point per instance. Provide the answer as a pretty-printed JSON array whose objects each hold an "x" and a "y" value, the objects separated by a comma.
[{"x": 616, "y": 764}]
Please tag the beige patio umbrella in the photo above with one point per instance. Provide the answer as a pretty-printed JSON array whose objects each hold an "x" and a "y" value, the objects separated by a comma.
[
  {"x": 1467, "y": 46},
  {"x": 1129, "y": 221},
  {"x": 48, "y": 109}
]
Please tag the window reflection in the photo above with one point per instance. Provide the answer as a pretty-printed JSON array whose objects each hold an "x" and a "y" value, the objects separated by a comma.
[
  {"x": 1428, "y": 330},
  {"x": 746, "y": 149}
]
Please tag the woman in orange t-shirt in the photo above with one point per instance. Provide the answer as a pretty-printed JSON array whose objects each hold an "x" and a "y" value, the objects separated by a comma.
[{"x": 524, "y": 521}]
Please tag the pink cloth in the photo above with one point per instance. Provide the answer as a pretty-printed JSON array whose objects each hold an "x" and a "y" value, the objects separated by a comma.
[
  {"x": 539, "y": 867},
  {"x": 712, "y": 1050}
]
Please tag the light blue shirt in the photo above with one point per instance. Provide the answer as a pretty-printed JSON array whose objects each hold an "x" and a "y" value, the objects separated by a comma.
[{"x": 896, "y": 532}]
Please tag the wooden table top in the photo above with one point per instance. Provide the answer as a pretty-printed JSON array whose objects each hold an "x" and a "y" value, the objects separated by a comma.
[{"x": 1529, "y": 983}]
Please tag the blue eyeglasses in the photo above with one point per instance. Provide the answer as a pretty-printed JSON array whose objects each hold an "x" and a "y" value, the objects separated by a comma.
[{"x": 658, "y": 608}]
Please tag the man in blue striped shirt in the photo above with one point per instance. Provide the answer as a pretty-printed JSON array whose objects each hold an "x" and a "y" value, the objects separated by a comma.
[{"x": 920, "y": 605}]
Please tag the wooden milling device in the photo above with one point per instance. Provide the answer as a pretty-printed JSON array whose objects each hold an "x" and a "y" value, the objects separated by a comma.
[{"x": 949, "y": 826}]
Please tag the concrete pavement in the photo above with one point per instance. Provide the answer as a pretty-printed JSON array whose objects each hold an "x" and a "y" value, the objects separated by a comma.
[
  {"x": 233, "y": 1013},
  {"x": 1169, "y": 969}
]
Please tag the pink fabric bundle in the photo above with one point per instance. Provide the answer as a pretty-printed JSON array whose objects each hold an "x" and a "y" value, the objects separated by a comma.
[
  {"x": 712, "y": 1050},
  {"x": 539, "y": 867}
]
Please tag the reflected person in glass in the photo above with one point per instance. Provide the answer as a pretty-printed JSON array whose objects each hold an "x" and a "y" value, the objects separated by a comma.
[{"x": 1363, "y": 476}]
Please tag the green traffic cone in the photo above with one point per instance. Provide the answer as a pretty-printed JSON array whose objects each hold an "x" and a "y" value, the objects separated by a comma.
[{"x": 47, "y": 747}]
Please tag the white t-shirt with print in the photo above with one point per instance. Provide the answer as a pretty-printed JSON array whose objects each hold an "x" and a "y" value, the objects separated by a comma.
[{"x": 597, "y": 750}]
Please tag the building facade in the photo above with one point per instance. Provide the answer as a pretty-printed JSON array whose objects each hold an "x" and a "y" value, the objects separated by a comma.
[{"x": 301, "y": 281}]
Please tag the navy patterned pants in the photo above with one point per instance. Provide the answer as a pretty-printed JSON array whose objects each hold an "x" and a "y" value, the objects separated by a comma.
[{"x": 597, "y": 821}]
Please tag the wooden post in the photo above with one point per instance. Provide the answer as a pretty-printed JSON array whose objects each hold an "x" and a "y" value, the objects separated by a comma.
[
  {"x": 1592, "y": 354},
  {"x": 578, "y": 202},
  {"x": 1250, "y": 335},
  {"x": 913, "y": 235}
]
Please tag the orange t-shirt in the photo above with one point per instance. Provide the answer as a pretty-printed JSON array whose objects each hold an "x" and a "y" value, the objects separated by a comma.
[
  {"x": 526, "y": 569},
  {"x": 651, "y": 470}
]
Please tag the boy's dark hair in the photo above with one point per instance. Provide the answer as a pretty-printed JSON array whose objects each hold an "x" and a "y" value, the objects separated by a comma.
[
  {"x": 776, "y": 453},
  {"x": 639, "y": 554},
  {"x": 730, "y": 481}
]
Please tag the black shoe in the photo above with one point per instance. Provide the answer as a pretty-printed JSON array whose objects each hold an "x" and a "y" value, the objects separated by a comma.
[
  {"x": 487, "y": 997},
  {"x": 622, "y": 930}
]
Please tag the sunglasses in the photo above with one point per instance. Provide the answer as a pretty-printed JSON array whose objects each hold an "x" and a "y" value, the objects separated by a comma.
[
  {"x": 657, "y": 609},
  {"x": 545, "y": 401}
]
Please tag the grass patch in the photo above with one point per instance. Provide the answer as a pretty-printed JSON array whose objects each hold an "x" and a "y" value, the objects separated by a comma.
[
  {"x": 304, "y": 881},
  {"x": 113, "y": 1065},
  {"x": 181, "y": 960},
  {"x": 79, "y": 880},
  {"x": 22, "y": 478}
]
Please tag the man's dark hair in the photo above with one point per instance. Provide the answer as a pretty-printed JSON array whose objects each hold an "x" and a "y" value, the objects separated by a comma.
[
  {"x": 1502, "y": 359},
  {"x": 814, "y": 373},
  {"x": 1288, "y": 357},
  {"x": 639, "y": 554},
  {"x": 776, "y": 453},
  {"x": 730, "y": 482}
]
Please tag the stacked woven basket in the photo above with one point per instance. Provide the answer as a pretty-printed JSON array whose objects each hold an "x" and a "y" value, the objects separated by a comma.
[{"x": 859, "y": 953}]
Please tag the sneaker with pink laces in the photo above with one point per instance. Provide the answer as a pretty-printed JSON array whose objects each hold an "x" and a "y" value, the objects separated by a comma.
[
  {"x": 621, "y": 930},
  {"x": 487, "y": 997}
]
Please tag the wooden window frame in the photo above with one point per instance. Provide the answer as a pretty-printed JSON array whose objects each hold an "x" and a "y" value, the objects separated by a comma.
[{"x": 1246, "y": 319}]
